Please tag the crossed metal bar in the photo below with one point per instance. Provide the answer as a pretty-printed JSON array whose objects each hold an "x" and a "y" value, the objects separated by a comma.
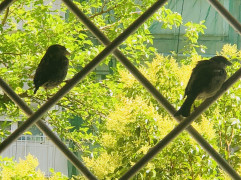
[
  {"x": 112, "y": 46},
  {"x": 5, "y": 4}
]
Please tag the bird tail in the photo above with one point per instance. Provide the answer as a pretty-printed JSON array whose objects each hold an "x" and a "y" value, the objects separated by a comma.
[{"x": 186, "y": 107}]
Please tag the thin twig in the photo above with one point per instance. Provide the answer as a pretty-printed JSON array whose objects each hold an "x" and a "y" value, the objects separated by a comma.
[
  {"x": 5, "y": 16},
  {"x": 10, "y": 53},
  {"x": 103, "y": 11}
]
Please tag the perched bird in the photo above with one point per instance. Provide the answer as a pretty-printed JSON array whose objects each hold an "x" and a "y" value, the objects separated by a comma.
[
  {"x": 52, "y": 69},
  {"x": 206, "y": 79}
]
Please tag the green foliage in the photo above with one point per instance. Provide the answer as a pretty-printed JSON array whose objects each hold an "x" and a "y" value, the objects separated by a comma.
[
  {"x": 168, "y": 18},
  {"x": 4, "y": 129},
  {"x": 142, "y": 122},
  {"x": 228, "y": 116},
  {"x": 192, "y": 34},
  {"x": 192, "y": 48},
  {"x": 34, "y": 25},
  {"x": 114, "y": 122}
]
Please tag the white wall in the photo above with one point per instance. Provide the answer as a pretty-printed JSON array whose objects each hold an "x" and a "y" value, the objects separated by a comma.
[{"x": 42, "y": 148}]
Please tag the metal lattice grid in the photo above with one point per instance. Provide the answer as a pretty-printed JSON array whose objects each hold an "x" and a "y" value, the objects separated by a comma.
[{"x": 112, "y": 47}]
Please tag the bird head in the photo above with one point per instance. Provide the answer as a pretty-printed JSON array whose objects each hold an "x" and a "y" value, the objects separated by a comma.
[
  {"x": 56, "y": 48},
  {"x": 221, "y": 61}
]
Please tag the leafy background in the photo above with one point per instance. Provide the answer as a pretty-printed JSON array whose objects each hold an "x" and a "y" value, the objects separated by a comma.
[{"x": 114, "y": 121}]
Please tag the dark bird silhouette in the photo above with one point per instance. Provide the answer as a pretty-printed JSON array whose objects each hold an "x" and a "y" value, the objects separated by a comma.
[
  {"x": 52, "y": 69},
  {"x": 206, "y": 79}
]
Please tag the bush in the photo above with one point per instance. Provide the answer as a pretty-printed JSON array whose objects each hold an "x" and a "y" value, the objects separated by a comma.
[{"x": 24, "y": 169}]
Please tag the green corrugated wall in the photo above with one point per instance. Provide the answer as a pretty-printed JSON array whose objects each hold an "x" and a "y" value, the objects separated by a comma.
[{"x": 218, "y": 31}]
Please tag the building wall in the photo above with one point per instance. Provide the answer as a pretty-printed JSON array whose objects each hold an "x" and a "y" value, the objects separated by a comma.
[
  {"x": 38, "y": 145},
  {"x": 218, "y": 31},
  {"x": 49, "y": 156}
]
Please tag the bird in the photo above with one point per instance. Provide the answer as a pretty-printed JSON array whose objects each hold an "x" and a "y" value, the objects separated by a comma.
[
  {"x": 206, "y": 79},
  {"x": 52, "y": 68}
]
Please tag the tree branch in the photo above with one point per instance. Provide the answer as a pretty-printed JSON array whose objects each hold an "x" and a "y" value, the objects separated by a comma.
[
  {"x": 10, "y": 53},
  {"x": 5, "y": 17},
  {"x": 103, "y": 11}
]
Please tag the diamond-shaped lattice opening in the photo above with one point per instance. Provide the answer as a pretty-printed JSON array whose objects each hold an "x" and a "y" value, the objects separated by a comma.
[{"x": 111, "y": 47}]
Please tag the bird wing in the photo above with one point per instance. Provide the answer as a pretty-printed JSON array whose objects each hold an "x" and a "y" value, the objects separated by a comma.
[
  {"x": 50, "y": 67},
  {"x": 43, "y": 71},
  {"x": 200, "y": 77}
]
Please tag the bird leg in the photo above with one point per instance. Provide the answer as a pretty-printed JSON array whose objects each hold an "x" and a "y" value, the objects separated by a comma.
[
  {"x": 66, "y": 81},
  {"x": 47, "y": 93},
  {"x": 194, "y": 107}
]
